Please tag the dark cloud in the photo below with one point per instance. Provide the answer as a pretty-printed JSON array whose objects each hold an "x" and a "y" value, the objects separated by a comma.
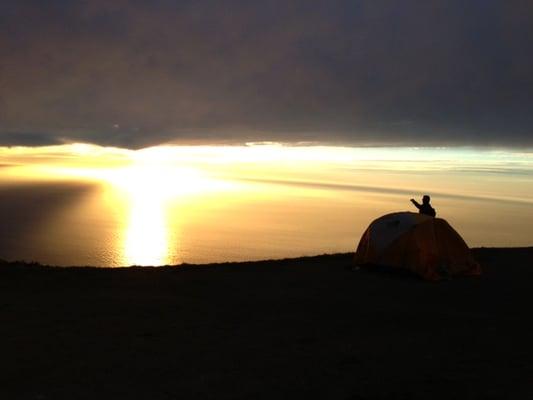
[
  {"x": 28, "y": 139},
  {"x": 136, "y": 73}
]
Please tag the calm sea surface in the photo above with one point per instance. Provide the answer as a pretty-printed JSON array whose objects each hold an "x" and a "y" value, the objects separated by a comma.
[{"x": 87, "y": 206}]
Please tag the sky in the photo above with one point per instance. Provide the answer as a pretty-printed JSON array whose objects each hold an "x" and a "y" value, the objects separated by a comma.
[{"x": 139, "y": 73}]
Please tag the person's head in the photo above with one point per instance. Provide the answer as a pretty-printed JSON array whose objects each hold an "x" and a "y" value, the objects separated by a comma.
[{"x": 426, "y": 199}]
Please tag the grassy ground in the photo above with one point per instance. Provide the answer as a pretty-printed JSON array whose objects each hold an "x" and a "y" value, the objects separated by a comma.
[{"x": 302, "y": 328}]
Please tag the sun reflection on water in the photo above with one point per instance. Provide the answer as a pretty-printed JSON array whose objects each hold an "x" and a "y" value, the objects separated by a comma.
[
  {"x": 150, "y": 191},
  {"x": 146, "y": 234}
]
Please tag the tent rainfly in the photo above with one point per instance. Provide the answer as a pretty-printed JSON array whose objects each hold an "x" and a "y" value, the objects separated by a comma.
[{"x": 427, "y": 246}]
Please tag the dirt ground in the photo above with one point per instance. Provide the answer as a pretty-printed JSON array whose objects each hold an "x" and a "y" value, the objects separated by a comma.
[{"x": 302, "y": 328}]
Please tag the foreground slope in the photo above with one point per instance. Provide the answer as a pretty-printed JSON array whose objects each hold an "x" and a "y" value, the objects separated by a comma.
[{"x": 306, "y": 327}]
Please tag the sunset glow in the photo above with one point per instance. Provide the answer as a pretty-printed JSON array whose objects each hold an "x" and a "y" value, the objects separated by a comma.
[
  {"x": 146, "y": 233},
  {"x": 173, "y": 204}
]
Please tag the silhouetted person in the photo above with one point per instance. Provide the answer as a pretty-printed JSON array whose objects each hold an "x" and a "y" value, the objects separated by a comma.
[{"x": 425, "y": 207}]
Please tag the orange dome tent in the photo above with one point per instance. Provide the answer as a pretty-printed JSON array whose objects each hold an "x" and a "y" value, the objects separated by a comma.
[{"x": 422, "y": 244}]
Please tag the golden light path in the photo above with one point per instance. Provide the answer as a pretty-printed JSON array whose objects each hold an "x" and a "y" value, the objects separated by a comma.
[
  {"x": 146, "y": 235},
  {"x": 150, "y": 186}
]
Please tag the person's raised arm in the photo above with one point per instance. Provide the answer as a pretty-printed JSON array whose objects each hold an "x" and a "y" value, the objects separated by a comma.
[{"x": 417, "y": 205}]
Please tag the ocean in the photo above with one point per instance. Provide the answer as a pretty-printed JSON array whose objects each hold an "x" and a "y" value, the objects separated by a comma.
[{"x": 87, "y": 205}]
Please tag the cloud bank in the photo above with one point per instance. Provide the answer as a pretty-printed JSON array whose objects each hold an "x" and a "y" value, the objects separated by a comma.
[{"x": 139, "y": 73}]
